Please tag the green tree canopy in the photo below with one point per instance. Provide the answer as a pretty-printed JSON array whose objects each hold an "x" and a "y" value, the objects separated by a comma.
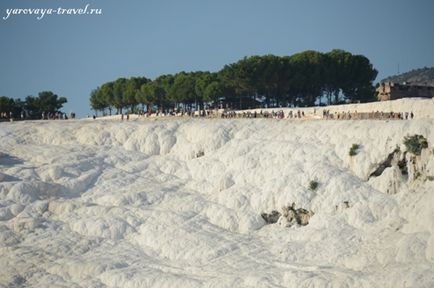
[
  {"x": 300, "y": 79},
  {"x": 32, "y": 106}
]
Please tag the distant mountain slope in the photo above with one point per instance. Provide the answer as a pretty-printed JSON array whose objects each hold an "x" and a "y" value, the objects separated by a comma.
[{"x": 422, "y": 76}]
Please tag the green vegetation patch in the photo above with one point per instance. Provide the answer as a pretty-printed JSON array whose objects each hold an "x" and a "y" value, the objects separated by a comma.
[
  {"x": 313, "y": 185},
  {"x": 414, "y": 144},
  {"x": 354, "y": 150}
]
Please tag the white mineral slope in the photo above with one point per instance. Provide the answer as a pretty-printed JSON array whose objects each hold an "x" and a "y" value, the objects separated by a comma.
[{"x": 129, "y": 204}]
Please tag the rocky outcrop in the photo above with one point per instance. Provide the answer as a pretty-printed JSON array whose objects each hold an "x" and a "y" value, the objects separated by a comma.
[
  {"x": 271, "y": 218},
  {"x": 386, "y": 163},
  {"x": 289, "y": 216},
  {"x": 402, "y": 168},
  {"x": 200, "y": 153}
]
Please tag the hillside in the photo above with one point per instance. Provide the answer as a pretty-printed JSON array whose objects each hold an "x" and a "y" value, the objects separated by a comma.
[
  {"x": 178, "y": 203},
  {"x": 422, "y": 76}
]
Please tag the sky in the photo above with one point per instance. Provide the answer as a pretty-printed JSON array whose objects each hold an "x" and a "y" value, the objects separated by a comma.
[{"x": 73, "y": 54}]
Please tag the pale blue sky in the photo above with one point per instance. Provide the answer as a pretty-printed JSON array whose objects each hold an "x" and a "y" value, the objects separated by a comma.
[{"x": 71, "y": 55}]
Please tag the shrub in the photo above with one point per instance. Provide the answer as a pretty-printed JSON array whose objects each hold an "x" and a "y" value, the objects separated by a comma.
[
  {"x": 414, "y": 144},
  {"x": 354, "y": 149},
  {"x": 313, "y": 185}
]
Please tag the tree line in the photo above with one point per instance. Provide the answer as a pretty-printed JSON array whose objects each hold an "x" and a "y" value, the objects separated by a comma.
[
  {"x": 32, "y": 107},
  {"x": 302, "y": 79}
]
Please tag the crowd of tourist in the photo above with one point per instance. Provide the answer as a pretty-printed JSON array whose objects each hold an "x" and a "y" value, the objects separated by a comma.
[
  {"x": 5, "y": 115},
  {"x": 326, "y": 114},
  {"x": 279, "y": 114},
  {"x": 57, "y": 116},
  {"x": 367, "y": 115},
  {"x": 9, "y": 116}
]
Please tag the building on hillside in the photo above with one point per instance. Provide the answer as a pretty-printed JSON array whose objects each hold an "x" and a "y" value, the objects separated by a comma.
[{"x": 391, "y": 91}]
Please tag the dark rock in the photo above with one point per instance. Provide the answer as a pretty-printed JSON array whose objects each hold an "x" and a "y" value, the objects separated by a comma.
[
  {"x": 271, "y": 218},
  {"x": 385, "y": 164}
]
